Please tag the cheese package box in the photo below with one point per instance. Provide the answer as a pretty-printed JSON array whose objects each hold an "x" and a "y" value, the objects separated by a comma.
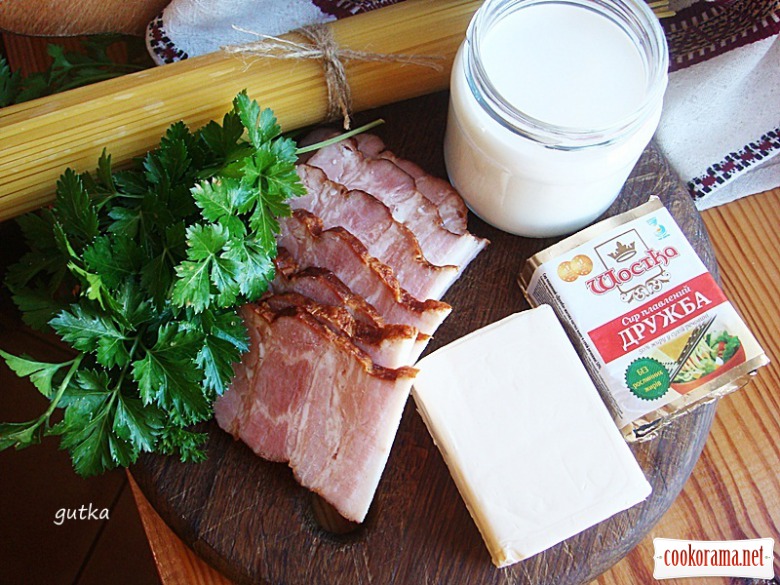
[
  {"x": 531, "y": 446},
  {"x": 654, "y": 329}
]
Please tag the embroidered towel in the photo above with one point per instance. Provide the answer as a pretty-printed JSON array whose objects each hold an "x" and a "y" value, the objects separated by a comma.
[{"x": 720, "y": 126}]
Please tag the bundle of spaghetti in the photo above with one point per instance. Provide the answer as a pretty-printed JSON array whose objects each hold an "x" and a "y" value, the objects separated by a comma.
[
  {"x": 661, "y": 8},
  {"x": 127, "y": 116}
]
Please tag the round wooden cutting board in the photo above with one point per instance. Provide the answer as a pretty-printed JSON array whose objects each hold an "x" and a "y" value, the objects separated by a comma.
[{"x": 251, "y": 520}]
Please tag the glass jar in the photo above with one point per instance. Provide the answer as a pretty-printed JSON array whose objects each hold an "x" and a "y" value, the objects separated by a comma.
[{"x": 552, "y": 102}]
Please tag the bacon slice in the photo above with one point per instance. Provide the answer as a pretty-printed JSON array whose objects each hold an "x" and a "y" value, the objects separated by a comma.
[
  {"x": 306, "y": 395},
  {"x": 324, "y": 287},
  {"x": 303, "y": 236},
  {"x": 371, "y": 222},
  {"x": 452, "y": 208},
  {"x": 313, "y": 389},
  {"x": 390, "y": 346},
  {"x": 344, "y": 163},
  {"x": 337, "y": 318}
]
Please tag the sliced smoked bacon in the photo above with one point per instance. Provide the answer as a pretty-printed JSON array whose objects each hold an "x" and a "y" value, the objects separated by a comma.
[
  {"x": 337, "y": 318},
  {"x": 306, "y": 395},
  {"x": 303, "y": 236},
  {"x": 452, "y": 208},
  {"x": 312, "y": 390},
  {"x": 324, "y": 287},
  {"x": 390, "y": 346},
  {"x": 371, "y": 222},
  {"x": 344, "y": 163}
]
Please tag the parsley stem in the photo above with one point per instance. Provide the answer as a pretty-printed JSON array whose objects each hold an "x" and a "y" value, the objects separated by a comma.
[
  {"x": 99, "y": 206},
  {"x": 340, "y": 137},
  {"x": 136, "y": 341},
  {"x": 74, "y": 366}
]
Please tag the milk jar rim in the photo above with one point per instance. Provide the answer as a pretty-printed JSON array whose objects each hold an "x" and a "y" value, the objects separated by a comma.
[{"x": 635, "y": 19}]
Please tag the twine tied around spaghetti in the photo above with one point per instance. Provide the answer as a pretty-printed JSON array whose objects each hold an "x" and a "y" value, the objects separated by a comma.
[{"x": 323, "y": 47}]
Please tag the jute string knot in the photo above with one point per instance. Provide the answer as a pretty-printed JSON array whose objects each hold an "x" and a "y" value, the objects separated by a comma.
[{"x": 323, "y": 47}]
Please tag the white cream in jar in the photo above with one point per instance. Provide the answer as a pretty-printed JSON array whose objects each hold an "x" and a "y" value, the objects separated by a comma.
[{"x": 552, "y": 103}]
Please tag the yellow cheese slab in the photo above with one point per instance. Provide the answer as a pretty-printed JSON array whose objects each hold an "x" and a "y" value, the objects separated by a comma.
[{"x": 525, "y": 434}]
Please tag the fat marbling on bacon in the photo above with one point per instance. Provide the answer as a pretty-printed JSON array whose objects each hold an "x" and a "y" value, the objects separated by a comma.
[
  {"x": 324, "y": 287},
  {"x": 362, "y": 262},
  {"x": 451, "y": 207},
  {"x": 389, "y": 346}
]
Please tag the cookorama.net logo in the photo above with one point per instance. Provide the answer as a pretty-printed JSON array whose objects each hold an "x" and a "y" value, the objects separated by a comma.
[{"x": 752, "y": 559}]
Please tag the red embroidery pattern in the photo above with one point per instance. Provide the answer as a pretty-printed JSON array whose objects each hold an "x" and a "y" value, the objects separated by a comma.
[
  {"x": 161, "y": 44},
  {"x": 707, "y": 29},
  {"x": 751, "y": 154},
  {"x": 344, "y": 8}
]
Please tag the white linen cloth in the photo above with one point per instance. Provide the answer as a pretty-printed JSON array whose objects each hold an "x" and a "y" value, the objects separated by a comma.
[{"x": 720, "y": 128}]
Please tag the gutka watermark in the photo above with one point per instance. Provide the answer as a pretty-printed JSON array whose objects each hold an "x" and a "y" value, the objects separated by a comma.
[
  {"x": 713, "y": 558},
  {"x": 83, "y": 513}
]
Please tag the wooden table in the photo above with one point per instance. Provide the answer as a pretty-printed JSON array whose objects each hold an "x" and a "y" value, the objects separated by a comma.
[{"x": 734, "y": 491}]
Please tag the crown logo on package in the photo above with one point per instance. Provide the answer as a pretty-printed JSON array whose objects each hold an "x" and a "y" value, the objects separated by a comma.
[{"x": 623, "y": 252}]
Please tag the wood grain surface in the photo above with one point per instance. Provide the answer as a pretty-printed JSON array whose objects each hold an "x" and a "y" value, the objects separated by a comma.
[
  {"x": 69, "y": 17},
  {"x": 251, "y": 520}
]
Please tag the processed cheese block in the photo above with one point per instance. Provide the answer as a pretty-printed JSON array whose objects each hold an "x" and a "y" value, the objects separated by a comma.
[
  {"x": 654, "y": 330},
  {"x": 531, "y": 446}
]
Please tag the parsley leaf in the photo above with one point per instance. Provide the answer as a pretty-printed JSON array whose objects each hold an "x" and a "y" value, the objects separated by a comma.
[
  {"x": 85, "y": 432},
  {"x": 20, "y": 435},
  {"x": 224, "y": 140},
  {"x": 260, "y": 124},
  {"x": 167, "y": 379},
  {"x": 10, "y": 83},
  {"x": 37, "y": 307},
  {"x": 257, "y": 268},
  {"x": 158, "y": 273},
  {"x": 224, "y": 340},
  {"x": 137, "y": 424},
  {"x": 185, "y": 442},
  {"x": 74, "y": 209},
  {"x": 221, "y": 199},
  {"x": 40, "y": 373},
  {"x": 226, "y": 265},
  {"x": 114, "y": 257}
]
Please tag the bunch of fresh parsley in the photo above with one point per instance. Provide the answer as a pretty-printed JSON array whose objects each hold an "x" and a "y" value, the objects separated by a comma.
[{"x": 141, "y": 272}]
